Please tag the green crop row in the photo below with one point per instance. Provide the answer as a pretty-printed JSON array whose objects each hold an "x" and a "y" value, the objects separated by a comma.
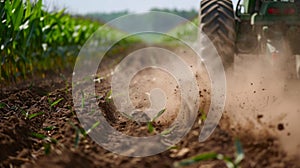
[{"x": 34, "y": 41}]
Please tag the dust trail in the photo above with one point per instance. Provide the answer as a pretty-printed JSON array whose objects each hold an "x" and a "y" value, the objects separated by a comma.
[{"x": 262, "y": 102}]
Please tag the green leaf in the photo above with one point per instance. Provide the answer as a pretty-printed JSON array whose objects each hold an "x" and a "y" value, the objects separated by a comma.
[
  {"x": 2, "y": 105},
  {"x": 239, "y": 152},
  {"x": 28, "y": 9},
  {"x": 203, "y": 115},
  {"x": 168, "y": 131},
  {"x": 82, "y": 99},
  {"x": 56, "y": 102},
  {"x": 38, "y": 136},
  {"x": 161, "y": 112},
  {"x": 77, "y": 138},
  {"x": 150, "y": 127},
  {"x": 8, "y": 8},
  {"x": 31, "y": 116},
  {"x": 195, "y": 159},
  {"x": 47, "y": 148},
  {"x": 18, "y": 13},
  {"x": 50, "y": 128},
  {"x": 93, "y": 127},
  {"x": 38, "y": 9},
  {"x": 108, "y": 96}
]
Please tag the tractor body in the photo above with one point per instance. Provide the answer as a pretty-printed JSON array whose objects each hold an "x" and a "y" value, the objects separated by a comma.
[
  {"x": 260, "y": 22},
  {"x": 269, "y": 29}
]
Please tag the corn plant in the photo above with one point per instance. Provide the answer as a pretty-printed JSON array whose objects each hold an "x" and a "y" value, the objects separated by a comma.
[{"x": 34, "y": 41}]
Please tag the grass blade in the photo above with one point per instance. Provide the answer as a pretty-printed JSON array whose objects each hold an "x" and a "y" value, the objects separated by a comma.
[
  {"x": 56, "y": 102},
  {"x": 196, "y": 159},
  {"x": 161, "y": 112},
  {"x": 47, "y": 148},
  {"x": 38, "y": 136},
  {"x": 150, "y": 127},
  {"x": 82, "y": 99},
  {"x": 77, "y": 138},
  {"x": 239, "y": 152},
  {"x": 93, "y": 127},
  {"x": 31, "y": 116}
]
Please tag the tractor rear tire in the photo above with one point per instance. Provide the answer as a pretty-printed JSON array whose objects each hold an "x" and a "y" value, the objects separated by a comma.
[{"x": 218, "y": 23}]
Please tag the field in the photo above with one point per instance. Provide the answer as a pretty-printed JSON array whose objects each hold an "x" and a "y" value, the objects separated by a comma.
[{"x": 40, "y": 126}]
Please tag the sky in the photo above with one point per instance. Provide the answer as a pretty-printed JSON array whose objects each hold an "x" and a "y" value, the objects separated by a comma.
[{"x": 136, "y": 6}]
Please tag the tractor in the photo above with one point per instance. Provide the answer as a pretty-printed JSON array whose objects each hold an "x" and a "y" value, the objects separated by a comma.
[{"x": 269, "y": 29}]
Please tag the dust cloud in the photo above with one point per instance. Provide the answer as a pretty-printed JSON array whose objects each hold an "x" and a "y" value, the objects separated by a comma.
[{"x": 262, "y": 101}]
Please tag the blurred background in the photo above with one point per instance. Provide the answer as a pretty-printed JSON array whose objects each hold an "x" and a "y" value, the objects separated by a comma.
[{"x": 107, "y": 10}]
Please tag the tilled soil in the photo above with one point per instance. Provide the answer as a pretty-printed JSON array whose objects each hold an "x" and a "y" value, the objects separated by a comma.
[
  {"x": 55, "y": 139},
  {"x": 19, "y": 148}
]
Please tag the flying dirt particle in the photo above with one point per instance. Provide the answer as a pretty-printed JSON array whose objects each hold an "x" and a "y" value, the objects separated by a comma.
[
  {"x": 288, "y": 134},
  {"x": 204, "y": 90},
  {"x": 263, "y": 89},
  {"x": 191, "y": 66},
  {"x": 251, "y": 84},
  {"x": 280, "y": 127},
  {"x": 254, "y": 92},
  {"x": 260, "y": 116}
]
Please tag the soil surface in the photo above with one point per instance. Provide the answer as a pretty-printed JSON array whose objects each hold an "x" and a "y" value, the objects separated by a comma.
[{"x": 39, "y": 128}]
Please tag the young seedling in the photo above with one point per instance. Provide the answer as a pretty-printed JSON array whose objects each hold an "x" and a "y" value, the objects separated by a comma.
[
  {"x": 63, "y": 77},
  {"x": 230, "y": 163},
  {"x": 95, "y": 125},
  {"x": 150, "y": 123},
  {"x": 82, "y": 99},
  {"x": 167, "y": 131},
  {"x": 202, "y": 117},
  {"x": 31, "y": 116},
  {"x": 80, "y": 132},
  {"x": 108, "y": 97},
  {"x": 50, "y": 128},
  {"x": 2, "y": 105},
  {"x": 53, "y": 104},
  {"x": 47, "y": 141}
]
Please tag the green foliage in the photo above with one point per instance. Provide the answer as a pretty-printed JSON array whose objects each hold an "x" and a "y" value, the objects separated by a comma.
[
  {"x": 150, "y": 127},
  {"x": 33, "y": 40},
  {"x": 81, "y": 133},
  {"x": 2, "y": 105},
  {"x": 52, "y": 104},
  {"x": 190, "y": 15},
  {"x": 187, "y": 31},
  {"x": 95, "y": 125},
  {"x": 108, "y": 97},
  {"x": 31, "y": 116},
  {"x": 47, "y": 141},
  {"x": 230, "y": 163},
  {"x": 161, "y": 112},
  {"x": 150, "y": 123},
  {"x": 106, "y": 17}
]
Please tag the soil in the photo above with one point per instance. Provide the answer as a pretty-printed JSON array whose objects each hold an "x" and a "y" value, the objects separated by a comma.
[{"x": 53, "y": 138}]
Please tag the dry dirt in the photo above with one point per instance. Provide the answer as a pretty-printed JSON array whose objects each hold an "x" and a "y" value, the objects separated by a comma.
[{"x": 262, "y": 110}]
